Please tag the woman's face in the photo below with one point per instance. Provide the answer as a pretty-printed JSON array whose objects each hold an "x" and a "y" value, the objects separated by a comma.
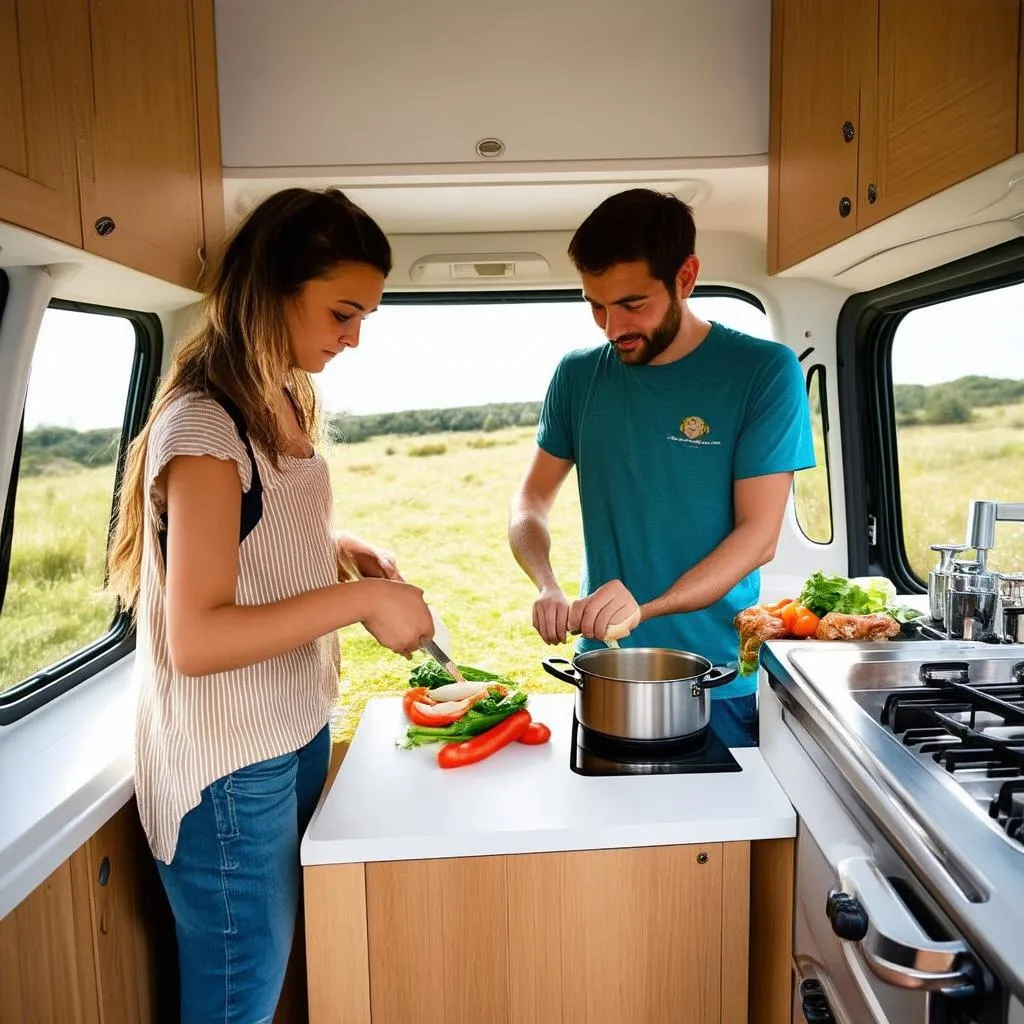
[{"x": 325, "y": 317}]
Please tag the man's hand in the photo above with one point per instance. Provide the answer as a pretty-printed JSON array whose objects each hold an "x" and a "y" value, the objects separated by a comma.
[
  {"x": 609, "y": 605},
  {"x": 372, "y": 562},
  {"x": 551, "y": 615}
]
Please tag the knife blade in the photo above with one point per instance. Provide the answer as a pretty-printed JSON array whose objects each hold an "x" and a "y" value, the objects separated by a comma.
[{"x": 443, "y": 660}]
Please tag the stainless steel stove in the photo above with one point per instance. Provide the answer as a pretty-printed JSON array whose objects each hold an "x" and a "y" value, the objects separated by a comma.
[
  {"x": 964, "y": 729},
  {"x": 905, "y": 762}
]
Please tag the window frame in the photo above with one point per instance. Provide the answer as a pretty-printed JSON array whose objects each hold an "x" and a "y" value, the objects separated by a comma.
[
  {"x": 51, "y": 681},
  {"x": 495, "y": 296},
  {"x": 821, "y": 371},
  {"x": 865, "y": 332}
]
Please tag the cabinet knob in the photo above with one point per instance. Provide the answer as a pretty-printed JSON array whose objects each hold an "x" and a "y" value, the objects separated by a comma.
[
  {"x": 872, "y": 192},
  {"x": 849, "y": 134},
  {"x": 104, "y": 226},
  {"x": 845, "y": 207}
]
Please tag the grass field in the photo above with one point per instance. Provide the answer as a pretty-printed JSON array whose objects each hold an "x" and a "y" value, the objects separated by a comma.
[{"x": 443, "y": 515}]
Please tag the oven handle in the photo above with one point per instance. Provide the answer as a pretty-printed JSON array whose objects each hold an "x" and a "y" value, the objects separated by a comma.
[{"x": 868, "y": 912}]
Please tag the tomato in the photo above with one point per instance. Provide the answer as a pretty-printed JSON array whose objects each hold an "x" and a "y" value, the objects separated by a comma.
[
  {"x": 805, "y": 623},
  {"x": 789, "y": 613},
  {"x": 417, "y": 695},
  {"x": 455, "y": 755},
  {"x": 537, "y": 733}
]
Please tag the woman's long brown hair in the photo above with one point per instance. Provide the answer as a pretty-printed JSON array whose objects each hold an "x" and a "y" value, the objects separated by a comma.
[{"x": 241, "y": 347}]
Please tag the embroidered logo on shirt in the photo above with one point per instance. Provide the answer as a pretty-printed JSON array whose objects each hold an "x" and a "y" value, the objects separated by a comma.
[{"x": 693, "y": 429}]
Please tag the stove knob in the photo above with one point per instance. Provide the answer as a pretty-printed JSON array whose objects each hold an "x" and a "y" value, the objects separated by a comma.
[
  {"x": 814, "y": 1004},
  {"x": 848, "y": 917}
]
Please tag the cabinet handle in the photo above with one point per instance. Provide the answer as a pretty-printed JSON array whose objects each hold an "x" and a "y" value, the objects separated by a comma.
[
  {"x": 872, "y": 192},
  {"x": 849, "y": 134},
  {"x": 845, "y": 207},
  {"x": 104, "y": 226},
  {"x": 103, "y": 875}
]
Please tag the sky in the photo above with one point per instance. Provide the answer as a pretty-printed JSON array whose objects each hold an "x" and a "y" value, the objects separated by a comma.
[{"x": 426, "y": 357}]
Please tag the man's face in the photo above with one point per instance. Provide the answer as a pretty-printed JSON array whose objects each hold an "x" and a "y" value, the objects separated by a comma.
[{"x": 637, "y": 313}]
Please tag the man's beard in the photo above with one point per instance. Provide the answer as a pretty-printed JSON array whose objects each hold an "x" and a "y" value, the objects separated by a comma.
[{"x": 659, "y": 339}]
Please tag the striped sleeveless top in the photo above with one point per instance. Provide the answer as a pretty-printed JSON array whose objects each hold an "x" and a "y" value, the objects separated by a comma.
[{"x": 191, "y": 730}]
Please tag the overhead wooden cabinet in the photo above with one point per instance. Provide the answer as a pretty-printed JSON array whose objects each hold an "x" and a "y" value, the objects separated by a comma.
[
  {"x": 141, "y": 193},
  {"x": 878, "y": 104},
  {"x": 42, "y": 75},
  {"x": 109, "y": 129}
]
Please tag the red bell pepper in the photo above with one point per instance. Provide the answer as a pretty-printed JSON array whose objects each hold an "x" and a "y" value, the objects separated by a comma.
[{"x": 456, "y": 755}]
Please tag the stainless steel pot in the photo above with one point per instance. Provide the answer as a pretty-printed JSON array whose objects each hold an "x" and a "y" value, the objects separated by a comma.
[{"x": 641, "y": 693}]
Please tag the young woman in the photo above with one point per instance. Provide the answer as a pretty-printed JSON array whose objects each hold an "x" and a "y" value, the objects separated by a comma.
[{"x": 224, "y": 548}]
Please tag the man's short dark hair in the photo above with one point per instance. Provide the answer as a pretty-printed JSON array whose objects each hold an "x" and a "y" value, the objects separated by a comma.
[{"x": 639, "y": 224}]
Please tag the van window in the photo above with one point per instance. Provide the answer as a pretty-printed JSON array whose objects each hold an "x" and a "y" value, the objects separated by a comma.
[
  {"x": 811, "y": 487},
  {"x": 89, "y": 373},
  {"x": 957, "y": 370}
]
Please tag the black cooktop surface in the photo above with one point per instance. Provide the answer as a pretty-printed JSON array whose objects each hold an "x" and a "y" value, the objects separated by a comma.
[{"x": 595, "y": 754}]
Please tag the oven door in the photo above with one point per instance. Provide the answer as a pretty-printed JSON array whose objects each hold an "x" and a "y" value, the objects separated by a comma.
[{"x": 831, "y": 975}]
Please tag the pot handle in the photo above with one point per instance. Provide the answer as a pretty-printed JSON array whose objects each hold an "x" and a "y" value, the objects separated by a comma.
[
  {"x": 718, "y": 675},
  {"x": 550, "y": 665}
]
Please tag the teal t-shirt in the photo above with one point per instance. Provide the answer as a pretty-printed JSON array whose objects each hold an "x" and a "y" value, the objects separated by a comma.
[{"x": 657, "y": 449}]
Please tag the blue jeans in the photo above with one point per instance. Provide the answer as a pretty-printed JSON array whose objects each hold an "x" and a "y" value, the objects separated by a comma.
[
  {"x": 235, "y": 882},
  {"x": 735, "y": 720}
]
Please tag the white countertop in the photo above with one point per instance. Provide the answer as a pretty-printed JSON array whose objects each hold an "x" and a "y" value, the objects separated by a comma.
[{"x": 392, "y": 804}]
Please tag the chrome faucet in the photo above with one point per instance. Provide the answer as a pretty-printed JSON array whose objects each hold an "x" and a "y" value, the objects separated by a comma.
[{"x": 981, "y": 528}]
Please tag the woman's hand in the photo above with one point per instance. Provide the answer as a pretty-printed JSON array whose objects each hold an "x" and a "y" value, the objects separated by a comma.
[
  {"x": 610, "y": 605},
  {"x": 372, "y": 562},
  {"x": 396, "y": 615}
]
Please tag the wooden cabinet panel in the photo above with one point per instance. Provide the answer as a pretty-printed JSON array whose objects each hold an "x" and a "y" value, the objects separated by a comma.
[
  {"x": 140, "y": 153},
  {"x": 40, "y": 980},
  {"x": 129, "y": 922},
  {"x": 819, "y": 51},
  {"x": 43, "y": 69},
  {"x": 208, "y": 117},
  {"x": 623, "y": 936},
  {"x": 639, "y": 936},
  {"x": 772, "y": 867},
  {"x": 438, "y": 943},
  {"x": 947, "y": 98}
]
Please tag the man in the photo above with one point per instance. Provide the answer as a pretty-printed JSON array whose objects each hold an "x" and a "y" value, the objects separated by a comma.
[{"x": 685, "y": 436}]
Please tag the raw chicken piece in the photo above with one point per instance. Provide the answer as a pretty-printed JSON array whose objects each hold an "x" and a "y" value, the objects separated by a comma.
[{"x": 836, "y": 626}]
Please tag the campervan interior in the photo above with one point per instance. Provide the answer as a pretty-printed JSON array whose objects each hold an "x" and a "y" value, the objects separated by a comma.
[{"x": 855, "y": 172}]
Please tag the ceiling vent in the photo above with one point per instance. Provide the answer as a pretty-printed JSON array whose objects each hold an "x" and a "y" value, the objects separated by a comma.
[{"x": 443, "y": 268}]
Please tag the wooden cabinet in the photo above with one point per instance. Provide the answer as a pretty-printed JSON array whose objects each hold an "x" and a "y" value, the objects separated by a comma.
[
  {"x": 638, "y": 936},
  {"x": 42, "y": 77},
  {"x": 877, "y": 104},
  {"x": 94, "y": 944},
  {"x": 42, "y": 977},
  {"x": 109, "y": 129},
  {"x": 141, "y": 191}
]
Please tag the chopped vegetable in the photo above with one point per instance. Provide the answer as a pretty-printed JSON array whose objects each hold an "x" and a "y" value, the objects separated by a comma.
[
  {"x": 431, "y": 675},
  {"x": 480, "y": 717},
  {"x": 457, "y": 755},
  {"x": 438, "y": 714},
  {"x": 458, "y": 691},
  {"x": 537, "y": 733}
]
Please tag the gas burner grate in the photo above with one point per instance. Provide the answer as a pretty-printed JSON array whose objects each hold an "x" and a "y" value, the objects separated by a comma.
[{"x": 972, "y": 732}]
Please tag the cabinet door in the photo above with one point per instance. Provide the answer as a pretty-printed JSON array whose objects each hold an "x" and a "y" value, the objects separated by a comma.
[
  {"x": 45, "y": 977},
  {"x": 141, "y": 198},
  {"x": 821, "y": 53},
  {"x": 947, "y": 99},
  {"x": 124, "y": 919},
  {"x": 43, "y": 72}
]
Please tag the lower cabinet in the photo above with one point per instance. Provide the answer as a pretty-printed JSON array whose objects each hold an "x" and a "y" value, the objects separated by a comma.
[
  {"x": 94, "y": 944},
  {"x": 633, "y": 936}
]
